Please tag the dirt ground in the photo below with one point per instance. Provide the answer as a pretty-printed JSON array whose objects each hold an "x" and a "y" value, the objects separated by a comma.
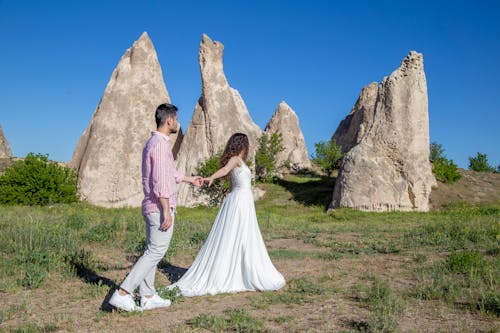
[
  {"x": 80, "y": 304},
  {"x": 75, "y": 305}
]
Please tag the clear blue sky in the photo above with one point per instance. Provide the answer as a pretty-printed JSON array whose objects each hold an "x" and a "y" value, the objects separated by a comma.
[{"x": 56, "y": 58}]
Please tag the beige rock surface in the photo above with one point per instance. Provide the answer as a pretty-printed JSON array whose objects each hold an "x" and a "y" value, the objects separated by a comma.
[
  {"x": 352, "y": 129},
  {"x": 219, "y": 113},
  {"x": 5, "y": 151},
  {"x": 285, "y": 122},
  {"x": 389, "y": 168},
  {"x": 109, "y": 152}
]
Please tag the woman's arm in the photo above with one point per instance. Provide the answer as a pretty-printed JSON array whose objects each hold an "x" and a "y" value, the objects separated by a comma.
[{"x": 230, "y": 165}]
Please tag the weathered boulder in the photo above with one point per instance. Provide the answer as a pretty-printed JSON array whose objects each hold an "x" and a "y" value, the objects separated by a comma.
[
  {"x": 219, "y": 113},
  {"x": 285, "y": 122},
  {"x": 5, "y": 151},
  {"x": 108, "y": 154},
  {"x": 389, "y": 168}
]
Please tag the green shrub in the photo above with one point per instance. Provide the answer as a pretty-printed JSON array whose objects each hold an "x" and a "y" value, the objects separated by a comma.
[
  {"x": 436, "y": 151},
  {"x": 236, "y": 320},
  {"x": 265, "y": 157},
  {"x": 328, "y": 156},
  {"x": 220, "y": 186},
  {"x": 37, "y": 181},
  {"x": 490, "y": 302},
  {"x": 465, "y": 262},
  {"x": 445, "y": 170},
  {"x": 480, "y": 163}
]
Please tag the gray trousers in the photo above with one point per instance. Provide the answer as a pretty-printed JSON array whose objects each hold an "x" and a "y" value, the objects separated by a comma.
[{"x": 143, "y": 273}]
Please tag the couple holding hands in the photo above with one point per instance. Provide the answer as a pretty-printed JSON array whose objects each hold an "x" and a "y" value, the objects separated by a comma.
[{"x": 232, "y": 259}]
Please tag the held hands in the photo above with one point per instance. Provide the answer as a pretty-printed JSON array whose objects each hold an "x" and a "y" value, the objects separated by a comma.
[
  {"x": 197, "y": 181},
  {"x": 208, "y": 180}
]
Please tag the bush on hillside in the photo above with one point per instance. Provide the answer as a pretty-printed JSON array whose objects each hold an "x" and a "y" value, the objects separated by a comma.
[
  {"x": 480, "y": 163},
  {"x": 37, "y": 181},
  {"x": 445, "y": 170},
  {"x": 436, "y": 151}
]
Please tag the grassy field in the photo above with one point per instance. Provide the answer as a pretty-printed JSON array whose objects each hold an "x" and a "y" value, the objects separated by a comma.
[{"x": 346, "y": 271}]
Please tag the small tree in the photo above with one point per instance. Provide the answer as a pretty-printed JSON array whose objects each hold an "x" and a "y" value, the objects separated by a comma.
[
  {"x": 220, "y": 186},
  {"x": 328, "y": 156},
  {"x": 480, "y": 163},
  {"x": 37, "y": 181},
  {"x": 437, "y": 151},
  {"x": 265, "y": 157},
  {"x": 445, "y": 170}
]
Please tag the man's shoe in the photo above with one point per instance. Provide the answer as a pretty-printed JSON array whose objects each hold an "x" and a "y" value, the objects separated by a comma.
[
  {"x": 154, "y": 302},
  {"x": 124, "y": 302}
]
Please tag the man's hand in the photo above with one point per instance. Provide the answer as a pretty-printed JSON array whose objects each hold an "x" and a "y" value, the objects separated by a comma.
[
  {"x": 197, "y": 181},
  {"x": 167, "y": 221}
]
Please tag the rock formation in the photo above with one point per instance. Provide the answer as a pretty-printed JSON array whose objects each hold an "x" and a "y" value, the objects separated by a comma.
[
  {"x": 352, "y": 129},
  {"x": 389, "y": 169},
  {"x": 108, "y": 154},
  {"x": 5, "y": 151},
  {"x": 286, "y": 122},
  {"x": 219, "y": 113}
]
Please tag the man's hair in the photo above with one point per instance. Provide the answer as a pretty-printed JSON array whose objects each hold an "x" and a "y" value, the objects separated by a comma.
[{"x": 163, "y": 112}]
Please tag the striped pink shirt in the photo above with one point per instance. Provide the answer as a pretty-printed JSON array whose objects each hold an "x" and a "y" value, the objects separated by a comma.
[{"x": 159, "y": 177}]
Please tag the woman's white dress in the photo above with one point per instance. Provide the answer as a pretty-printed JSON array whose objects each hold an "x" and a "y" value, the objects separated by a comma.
[{"x": 234, "y": 257}]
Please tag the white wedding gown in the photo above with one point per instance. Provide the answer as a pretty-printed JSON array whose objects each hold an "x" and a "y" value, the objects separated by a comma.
[{"x": 234, "y": 257}]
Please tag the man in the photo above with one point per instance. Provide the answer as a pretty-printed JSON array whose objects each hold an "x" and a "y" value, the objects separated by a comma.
[{"x": 159, "y": 179}]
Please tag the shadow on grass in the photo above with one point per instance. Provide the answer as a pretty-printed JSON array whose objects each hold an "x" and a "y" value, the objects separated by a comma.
[
  {"x": 173, "y": 273},
  {"x": 358, "y": 325},
  {"x": 88, "y": 275},
  {"x": 315, "y": 192}
]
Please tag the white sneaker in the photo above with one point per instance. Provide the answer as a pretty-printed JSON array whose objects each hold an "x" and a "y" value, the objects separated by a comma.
[
  {"x": 154, "y": 302},
  {"x": 124, "y": 302}
]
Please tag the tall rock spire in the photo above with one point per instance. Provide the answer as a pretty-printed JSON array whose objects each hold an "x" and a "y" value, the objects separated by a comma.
[
  {"x": 285, "y": 122},
  {"x": 108, "y": 154},
  {"x": 388, "y": 166},
  {"x": 219, "y": 113},
  {"x": 5, "y": 151}
]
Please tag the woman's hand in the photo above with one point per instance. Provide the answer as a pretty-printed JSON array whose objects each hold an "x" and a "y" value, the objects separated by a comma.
[{"x": 208, "y": 180}]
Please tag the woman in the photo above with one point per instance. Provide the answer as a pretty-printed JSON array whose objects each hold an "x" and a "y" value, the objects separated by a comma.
[{"x": 234, "y": 257}]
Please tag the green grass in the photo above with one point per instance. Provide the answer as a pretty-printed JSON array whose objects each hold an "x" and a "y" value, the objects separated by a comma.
[
  {"x": 33, "y": 328},
  {"x": 173, "y": 295},
  {"x": 10, "y": 311},
  {"x": 466, "y": 278},
  {"x": 453, "y": 255},
  {"x": 385, "y": 306},
  {"x": 297, "y": 291},
  {"x": 293, "y": 254},
  {"x": 235, "y": 320}
]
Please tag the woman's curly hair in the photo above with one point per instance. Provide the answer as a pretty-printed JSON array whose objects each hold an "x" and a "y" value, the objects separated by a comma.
[{"x": 237, "y": 143}]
